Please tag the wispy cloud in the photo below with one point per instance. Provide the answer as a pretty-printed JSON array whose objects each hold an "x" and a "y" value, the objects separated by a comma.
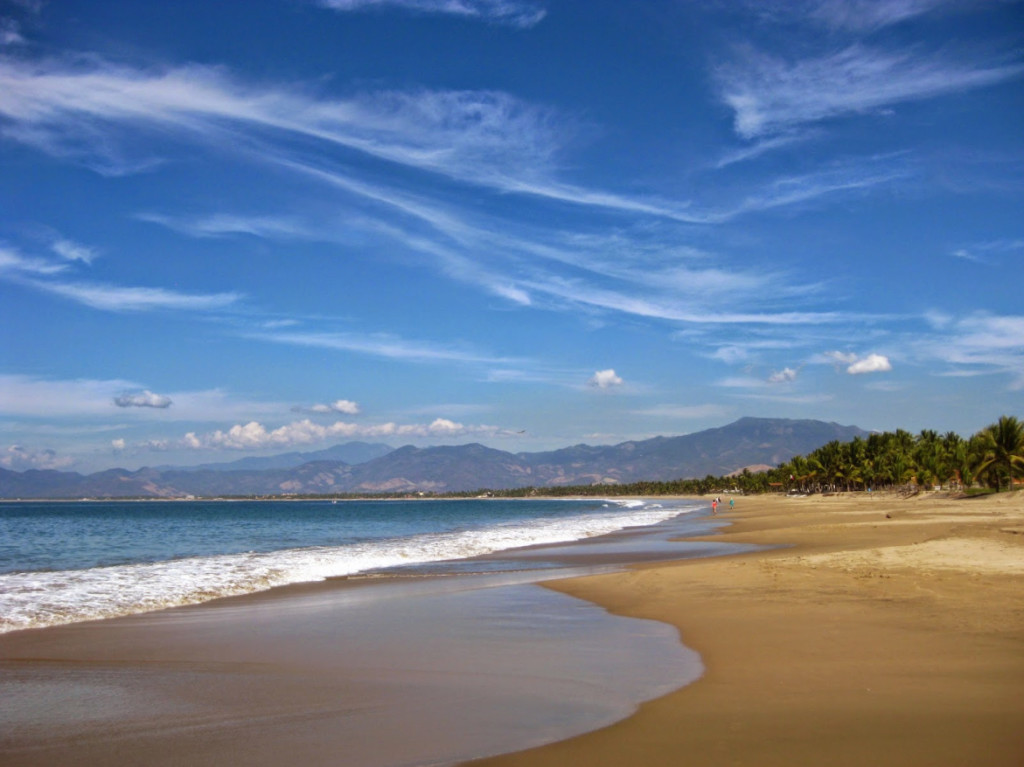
[
  {"x": 13, "y": 264},
  {"x": 512, "y": 13},
  {"x": 10, "y": 32},
  {"x": 770, "y": 95},
  {"x": 226, "y": 224},
  {"x": 480, "y": 136},
  {"x": 668, "y": 307},
  {"x": 986, "y": 252},
  {"x": 685, "y": 412},
  {"x": 762, "y": 147},
  {"x": 39, "y": 273},
  {"x": 115, "y": 298},
  {"x": 487, "y": 138},
  {"x": 383, "y": 345},
  {"x": 850, "y": 177},
  {"x": 868, "y": 15},
  {"x": 856, "y": 16},
  {"x": 980, "y": 344},
  {"x": 73, "y": 251}
]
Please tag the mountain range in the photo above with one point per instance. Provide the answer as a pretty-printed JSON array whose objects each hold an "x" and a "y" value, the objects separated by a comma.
[{"x": 748, "y": 442}]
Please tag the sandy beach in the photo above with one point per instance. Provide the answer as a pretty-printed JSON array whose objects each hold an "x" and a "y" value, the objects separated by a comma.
[
  {"x": 862, "y": 629},
  {"x": 888, "y": 631}
]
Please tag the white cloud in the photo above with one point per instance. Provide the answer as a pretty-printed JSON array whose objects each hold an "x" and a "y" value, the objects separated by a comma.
[
  {"x": 873, "y": 363},
  {"x": 338, "y": 406},
  {"x": 18, "y": 458},
  {"x": 255, "y": 436},
  {"x": 508, "y": 12},
  {"x": 144, "y": 398},
  {"x": 770, "y": 95},
  {"x": 854, "y": 364},
  {"x": 783, "y": 376},
  {"x": 605, "y": 379}
]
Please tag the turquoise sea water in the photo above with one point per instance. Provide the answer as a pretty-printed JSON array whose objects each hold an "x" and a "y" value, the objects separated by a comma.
[{"x": 72, "y": 561}]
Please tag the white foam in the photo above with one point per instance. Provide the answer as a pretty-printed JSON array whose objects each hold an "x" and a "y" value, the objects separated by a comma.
[{"x": 37, "y": 599}]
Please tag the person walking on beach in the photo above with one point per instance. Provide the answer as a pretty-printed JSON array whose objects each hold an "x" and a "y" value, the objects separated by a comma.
[
  {"x": 732, "y": 504},
  {"x": 714, "y": 506}
]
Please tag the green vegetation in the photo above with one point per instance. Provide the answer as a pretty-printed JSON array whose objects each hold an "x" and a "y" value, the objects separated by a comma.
[{"x": 992, "y": 459}]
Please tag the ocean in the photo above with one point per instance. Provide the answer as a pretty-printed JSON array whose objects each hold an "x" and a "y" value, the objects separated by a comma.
[{"x": 64, "y": 562}]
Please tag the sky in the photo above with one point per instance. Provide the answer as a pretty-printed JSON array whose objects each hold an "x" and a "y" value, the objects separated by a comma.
[{"x": 232, "y": 229}]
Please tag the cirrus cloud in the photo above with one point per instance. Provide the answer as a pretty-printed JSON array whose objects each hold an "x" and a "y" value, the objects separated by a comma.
[
  {"x": 505, "y": 12},
  {"x": 772, "y": 96}
]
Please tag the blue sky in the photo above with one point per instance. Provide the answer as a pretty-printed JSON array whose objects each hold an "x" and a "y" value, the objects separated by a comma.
[{"x": 247, "y": 228}]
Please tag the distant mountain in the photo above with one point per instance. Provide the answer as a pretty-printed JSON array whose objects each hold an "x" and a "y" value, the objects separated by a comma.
[
  {"x": 349, "y": 452},
  {"x": 747, "y": 442}
]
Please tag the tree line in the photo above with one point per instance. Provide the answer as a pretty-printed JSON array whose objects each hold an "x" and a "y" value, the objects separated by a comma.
[{"x": 992, "y": 458}]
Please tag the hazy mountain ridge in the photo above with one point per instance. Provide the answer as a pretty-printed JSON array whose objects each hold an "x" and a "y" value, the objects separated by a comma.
[{"x": 749, "y": 441}]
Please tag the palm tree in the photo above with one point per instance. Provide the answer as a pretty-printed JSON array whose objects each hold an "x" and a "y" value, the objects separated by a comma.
[
  {"x": 1001, "y": 450},
  {"x": 957, "y": 456}
]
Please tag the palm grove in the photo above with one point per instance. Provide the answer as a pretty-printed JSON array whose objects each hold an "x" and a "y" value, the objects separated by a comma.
[{"x": 993, "y": 458}]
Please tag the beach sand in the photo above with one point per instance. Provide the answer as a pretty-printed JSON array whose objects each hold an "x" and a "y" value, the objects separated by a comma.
[
  {"x": 886, "y": 631},
  {"x": 871, "y": 629}
]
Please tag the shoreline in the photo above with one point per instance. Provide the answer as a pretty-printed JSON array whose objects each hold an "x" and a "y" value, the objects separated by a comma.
[
  {"x": 879, "y": 630},
  {"x": 403, "y": 668},
  {"x": 854, "y": 629}
]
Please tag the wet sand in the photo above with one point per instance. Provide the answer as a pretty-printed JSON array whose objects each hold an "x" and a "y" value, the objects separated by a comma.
[
  {"x": 888, "y": 631},
  {"x": 401, "y": 668}
]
